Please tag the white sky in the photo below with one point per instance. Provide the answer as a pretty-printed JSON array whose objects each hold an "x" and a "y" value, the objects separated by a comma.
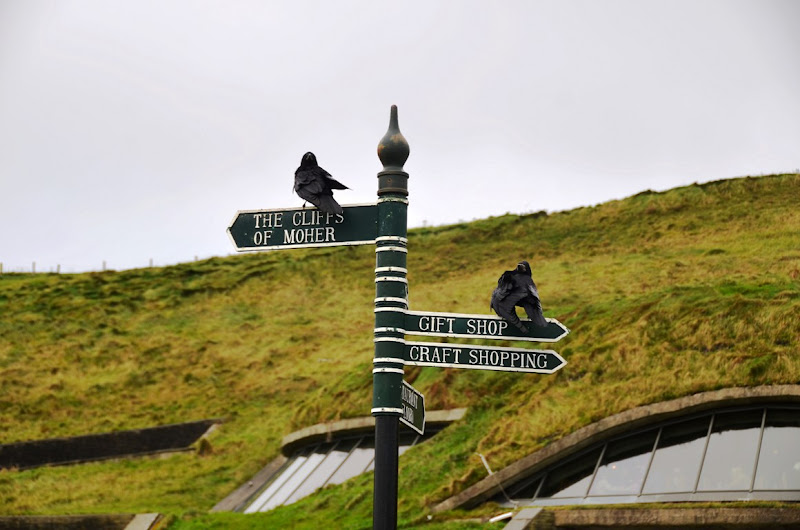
[{"x": 134, "y": 130}]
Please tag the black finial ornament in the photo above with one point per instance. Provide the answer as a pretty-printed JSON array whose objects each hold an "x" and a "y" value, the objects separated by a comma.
[{"x": 393, "y": 152}]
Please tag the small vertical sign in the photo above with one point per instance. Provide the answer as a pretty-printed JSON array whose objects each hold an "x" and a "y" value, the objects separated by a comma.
[{"x": 413, "y": 408}]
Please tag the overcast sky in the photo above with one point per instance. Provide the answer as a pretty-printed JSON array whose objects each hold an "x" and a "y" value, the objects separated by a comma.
[{"x": 134, "y": 130}]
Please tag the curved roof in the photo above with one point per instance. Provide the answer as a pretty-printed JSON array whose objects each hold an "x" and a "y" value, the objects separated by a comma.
[{"x": 618, "y": 423}]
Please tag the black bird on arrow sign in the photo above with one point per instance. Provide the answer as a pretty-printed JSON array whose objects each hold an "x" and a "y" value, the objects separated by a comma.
[
  {"x": 516, "y": 288},
  {"x": 315, "y": 185}
]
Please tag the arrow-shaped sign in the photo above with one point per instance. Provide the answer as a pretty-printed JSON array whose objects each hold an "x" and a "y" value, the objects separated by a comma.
[
  {"x": 444, "y": 355},
  {"x": 413, "y": 408},
  {"x": 460, "y": 325},
  {"x": 303, "y": 227}
]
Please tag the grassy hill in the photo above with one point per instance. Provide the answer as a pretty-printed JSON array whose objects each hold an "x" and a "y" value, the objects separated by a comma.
[{"x": 666, "y": 294}]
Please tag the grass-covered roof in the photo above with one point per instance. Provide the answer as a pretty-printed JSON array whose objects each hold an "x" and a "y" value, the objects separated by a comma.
[{"x": 666, "y": 294}]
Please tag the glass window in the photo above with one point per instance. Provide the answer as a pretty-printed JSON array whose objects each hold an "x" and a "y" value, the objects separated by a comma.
[
  {"x": 571, "y": 479},
  {"x": 326, "y": 463},
  {"x": 779, "y": 458},
  {"x": 336, "y": 458},
  {"x": 731, "y": 454},
  {"x": 677, "y": 458},
  {"x": 524, "y": 490},
  {"x": 324, "y": 470},
  {"x": 294, "y": 482},
  {"x": 624, "y": 465},
  {"x": 279, "y": 481},
  {"x": 404, "y": 442},
  {"x": 704, "y": 457},
  {"x": 356, "y": 463}
]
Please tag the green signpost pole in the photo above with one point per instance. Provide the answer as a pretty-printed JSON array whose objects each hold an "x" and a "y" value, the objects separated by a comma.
[{"x": 391, "y": 302}]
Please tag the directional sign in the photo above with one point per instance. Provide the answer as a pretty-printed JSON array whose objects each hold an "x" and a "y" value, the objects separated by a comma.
[
  {"x": 482, "y": 357},
  {"x": 413, "y": 408},
  {"x": 480, "y": 327},
  {"x": 303, "y": 227}
]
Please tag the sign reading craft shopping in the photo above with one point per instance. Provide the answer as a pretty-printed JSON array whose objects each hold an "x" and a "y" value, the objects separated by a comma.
[
  {"x": 503, "y": 359},
  {"x": 303, "y": 227}
]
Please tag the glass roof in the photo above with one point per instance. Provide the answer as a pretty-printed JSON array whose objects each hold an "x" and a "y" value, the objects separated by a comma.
[
  {"x": 321, "y": 464},
  {"x": 729, "y": 454}
]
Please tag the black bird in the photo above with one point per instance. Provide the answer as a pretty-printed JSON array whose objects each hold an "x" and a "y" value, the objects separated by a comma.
[
  {"x": 315, "y": 185},
  {"x": 516, "y": 288}
]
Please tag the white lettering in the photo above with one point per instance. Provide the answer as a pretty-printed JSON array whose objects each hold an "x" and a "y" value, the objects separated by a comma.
[
  {"x": 528, "y": 361},
  {"x": 410, "y": 396},
  {"x": 541, "y": 360},
  {"x": 262, "y": 237},
  {"x": 314, "y": 218},
  {"x": 437, "y": 356},
  {"x": 489, "y": 327},
  {"x": 424, "y": 354},
  {"x": 436, "y": 324},
  {"x": 269, "y": 220},
  {"x": 309, "y": 235}
]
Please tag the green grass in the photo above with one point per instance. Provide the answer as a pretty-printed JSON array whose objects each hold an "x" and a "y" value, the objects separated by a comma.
[
  {"x": 666, "y": 294},
  {"x": 231, "y": 521}
]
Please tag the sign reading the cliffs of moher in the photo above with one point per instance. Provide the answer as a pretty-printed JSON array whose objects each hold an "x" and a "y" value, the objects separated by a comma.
[{"x": 303, "y": 227}]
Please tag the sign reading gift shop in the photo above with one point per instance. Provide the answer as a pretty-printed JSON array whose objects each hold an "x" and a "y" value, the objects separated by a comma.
[{"x": 459, "y": 325}]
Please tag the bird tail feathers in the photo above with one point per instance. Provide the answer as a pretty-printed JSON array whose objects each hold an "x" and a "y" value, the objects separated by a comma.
[
  {"x": 335, "y": 184},
  {"x": 328, "y": 204}
]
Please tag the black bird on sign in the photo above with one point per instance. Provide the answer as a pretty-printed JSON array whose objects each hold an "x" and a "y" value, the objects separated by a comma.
[
  {"x": 315, "y": 185},
  {"x": 516, "y": 288}
]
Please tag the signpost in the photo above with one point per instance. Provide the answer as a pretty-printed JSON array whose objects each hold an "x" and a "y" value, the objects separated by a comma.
[
  {"x": 413, "y": 408},
  {"x": 444, "y": 355},
  {"x": 303, "y": 227},
  {"x": 479, "y": 327},
  {"x": 385, "y": 225},
  {"x": 391, "y": 301}
]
